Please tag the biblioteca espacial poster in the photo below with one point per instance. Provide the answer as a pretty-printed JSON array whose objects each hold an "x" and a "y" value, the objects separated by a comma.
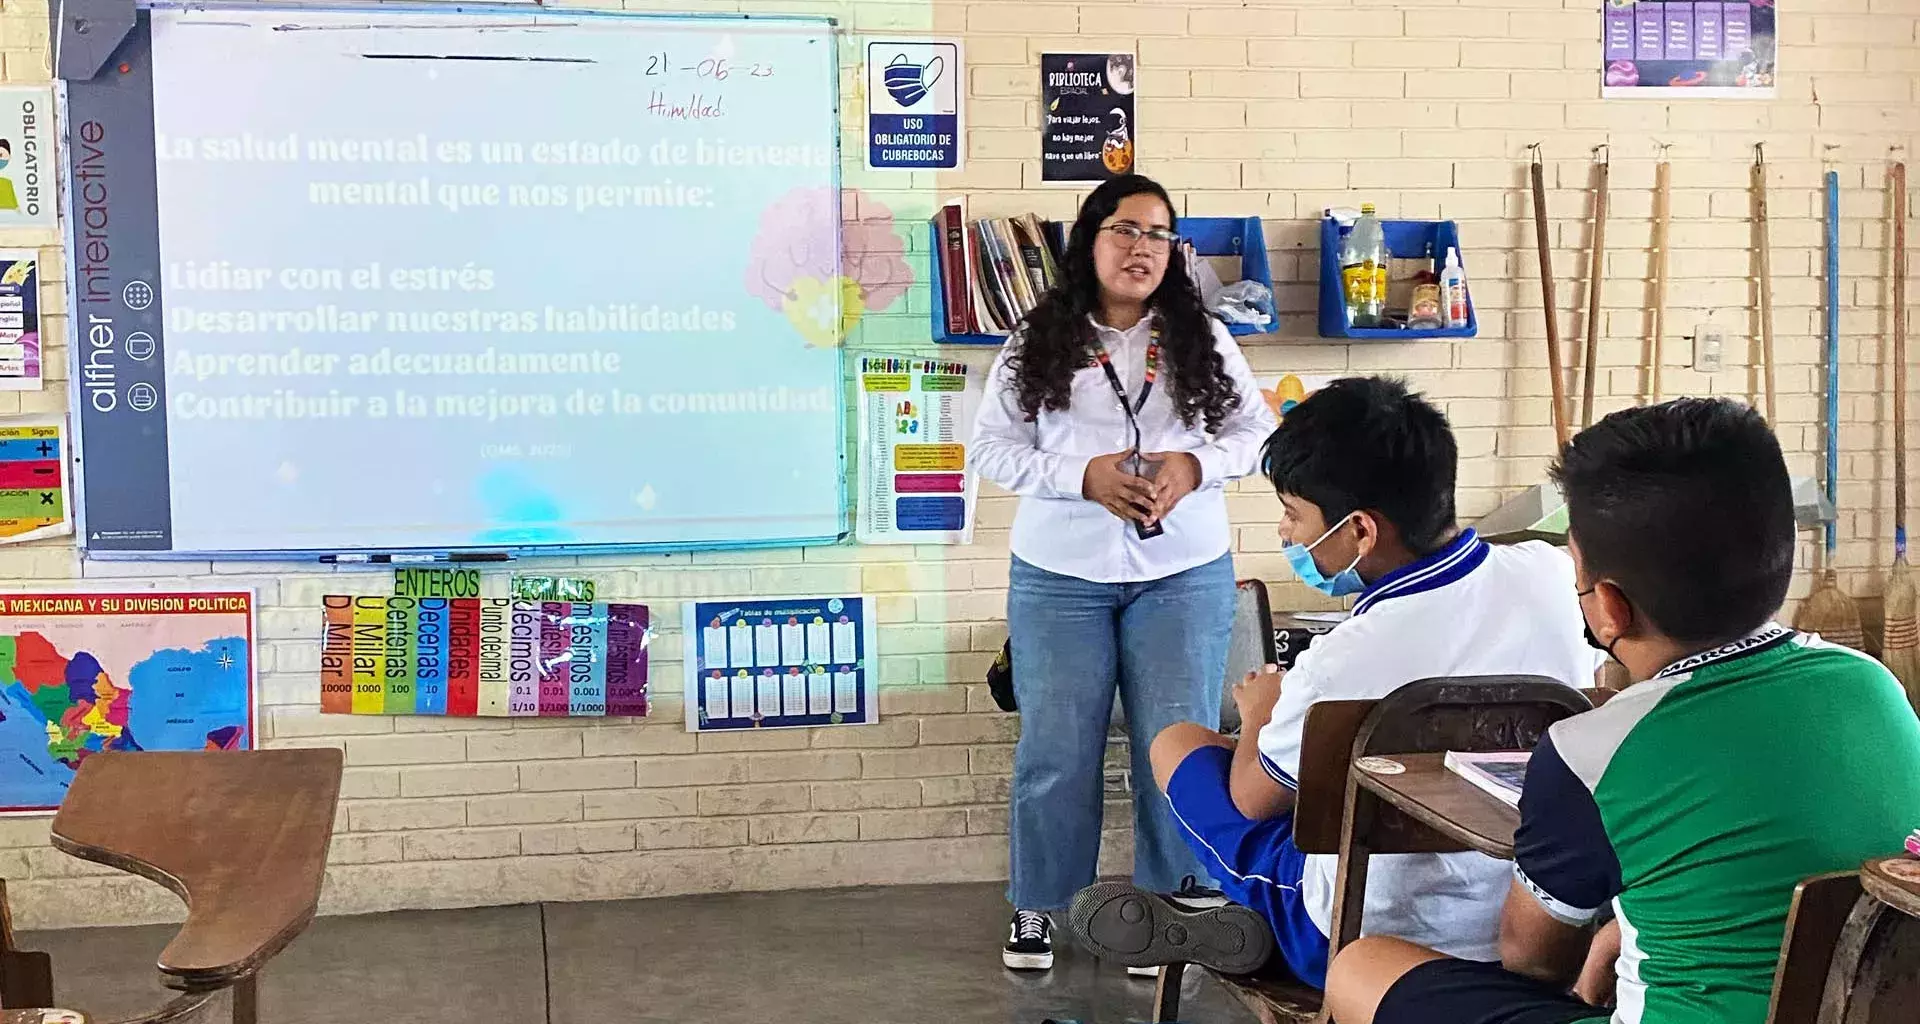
[{"x": 1087, "y": 130}]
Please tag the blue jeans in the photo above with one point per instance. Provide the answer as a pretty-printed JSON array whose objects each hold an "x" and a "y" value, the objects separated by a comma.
[{"x": 1164, "y": 644}]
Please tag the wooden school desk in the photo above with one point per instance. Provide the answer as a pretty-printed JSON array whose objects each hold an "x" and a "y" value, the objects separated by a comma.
[
  {"x": 1338, "y": 811},
  {"x": 1399, "y": 796},
  {"x": 1441, "y": 800},
  {"x": 240, "y": 836}
]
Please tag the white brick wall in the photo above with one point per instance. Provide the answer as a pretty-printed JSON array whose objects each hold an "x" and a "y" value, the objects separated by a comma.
[{"x": 1268, "y": 107}]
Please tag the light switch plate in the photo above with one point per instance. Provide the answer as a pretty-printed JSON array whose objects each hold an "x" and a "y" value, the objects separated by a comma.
[{"x": 1709, "y": 348}]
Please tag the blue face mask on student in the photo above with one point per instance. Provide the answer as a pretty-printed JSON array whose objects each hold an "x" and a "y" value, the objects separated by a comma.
[{"x": 1340, "y": 584}]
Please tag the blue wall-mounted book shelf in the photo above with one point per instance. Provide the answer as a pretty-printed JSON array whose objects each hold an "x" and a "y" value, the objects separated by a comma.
[
  {"x": 1407, "y": 240},
  {"x": 1211, "y": 236}
]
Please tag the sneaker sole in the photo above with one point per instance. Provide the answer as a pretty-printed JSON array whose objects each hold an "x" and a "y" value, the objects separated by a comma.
[
  {"x": 1134, "y": 928},
  {"x": 1027, "y": 961}
]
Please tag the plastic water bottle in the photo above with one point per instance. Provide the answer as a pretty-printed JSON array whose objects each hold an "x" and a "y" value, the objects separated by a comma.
[
  {"x": 1453, "y": 289},
  {"x": 1363, "y": 271}
]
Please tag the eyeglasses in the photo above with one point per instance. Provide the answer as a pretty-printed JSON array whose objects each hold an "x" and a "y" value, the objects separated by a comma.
[{"x": 1158, "y": 239}]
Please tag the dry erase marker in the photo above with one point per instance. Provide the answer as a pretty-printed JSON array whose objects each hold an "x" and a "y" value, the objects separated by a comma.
[{"x": 415, "y": 559}]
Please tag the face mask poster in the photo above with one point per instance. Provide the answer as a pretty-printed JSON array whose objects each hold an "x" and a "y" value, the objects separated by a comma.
[
  {"x": 26, "y": 157},
  {"x": 1087, "y": 134},
  {"x": 913, "y": 105}
]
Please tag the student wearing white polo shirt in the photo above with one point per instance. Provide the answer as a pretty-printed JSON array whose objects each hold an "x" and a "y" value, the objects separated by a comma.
[{"x": 1365, "y": 472}]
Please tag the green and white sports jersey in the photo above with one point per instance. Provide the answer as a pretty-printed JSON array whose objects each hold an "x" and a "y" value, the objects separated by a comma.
[{"x": 1697, "y": 800}]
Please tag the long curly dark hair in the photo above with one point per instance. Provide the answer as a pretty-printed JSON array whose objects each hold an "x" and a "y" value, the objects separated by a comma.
[{"x": 1059, "y": 338}]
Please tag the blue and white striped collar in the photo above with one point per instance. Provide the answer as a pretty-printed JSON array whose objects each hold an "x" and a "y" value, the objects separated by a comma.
[{"x": 1448, "y": 565}]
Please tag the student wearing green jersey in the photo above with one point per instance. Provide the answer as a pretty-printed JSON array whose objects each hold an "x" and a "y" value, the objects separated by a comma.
[{"x": 1661, "y": 835}]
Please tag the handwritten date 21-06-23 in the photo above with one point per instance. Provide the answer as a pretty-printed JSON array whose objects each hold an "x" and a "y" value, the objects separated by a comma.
[{"x": 717, "y": 68}]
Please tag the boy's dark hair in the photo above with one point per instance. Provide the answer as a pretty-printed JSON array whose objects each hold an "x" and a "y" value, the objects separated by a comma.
[
  {"x": 1686, "y": 507},
  {"x": 1369, "y": 443}
]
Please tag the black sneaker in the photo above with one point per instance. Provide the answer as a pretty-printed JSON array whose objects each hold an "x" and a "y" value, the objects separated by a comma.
[
  {"x": 1029, "y": 942},
  {"x": 1194, "y": 896},
  {"x": 1136, "y": 928},
  {"x": 1191, "y": 896}
]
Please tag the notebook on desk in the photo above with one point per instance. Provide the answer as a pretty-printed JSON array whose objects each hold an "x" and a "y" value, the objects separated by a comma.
[{"x": 1500, "y": 774}]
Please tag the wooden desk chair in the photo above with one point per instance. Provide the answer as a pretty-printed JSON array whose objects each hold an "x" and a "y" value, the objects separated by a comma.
[
  {"x": 1331, "y": 816},
  {"x": 1473, "y": 713},
  {"x": 1852, "y": 948},
  {"x": 240, "y": 836}
]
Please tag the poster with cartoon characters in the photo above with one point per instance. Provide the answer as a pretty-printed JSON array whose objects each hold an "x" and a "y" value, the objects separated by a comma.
[
  {"x": 1087, "y": 129},
  {"x": 19, "y": 320},
  {"x": 26, "y": 157},
  {"x": 1667, "y": 48}
]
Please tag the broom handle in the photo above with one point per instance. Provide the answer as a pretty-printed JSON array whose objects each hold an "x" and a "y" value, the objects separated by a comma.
[
  {"x": 1766, "y": 278},
  {"x": 1833, "y": 359},
  {"x": 1662, "y": 182},
  {"x": 1555, "y": 371},
  {"x": 1900, "y": 360},
  {"x": 1597, "y": 275}
]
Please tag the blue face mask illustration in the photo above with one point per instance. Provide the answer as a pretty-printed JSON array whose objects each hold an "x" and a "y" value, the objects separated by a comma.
[
  {"x": 909, "y": 83},
  {"x": 1340, "y": 584}
]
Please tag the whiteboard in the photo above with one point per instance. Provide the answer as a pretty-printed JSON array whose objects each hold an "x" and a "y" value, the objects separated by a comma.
[{"x": 425, "y": 280}]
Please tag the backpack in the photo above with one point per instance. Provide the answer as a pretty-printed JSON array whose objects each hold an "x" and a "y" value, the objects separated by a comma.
[{"x": 1000, "y": 678}]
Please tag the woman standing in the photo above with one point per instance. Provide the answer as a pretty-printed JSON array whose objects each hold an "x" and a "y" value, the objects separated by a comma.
[{"x": 1117, "y": 412}]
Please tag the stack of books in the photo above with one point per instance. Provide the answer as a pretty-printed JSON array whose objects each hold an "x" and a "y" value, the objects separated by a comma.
[
  {"x": 994, "y": 270},
  {"x": 1500, "y": 775}
]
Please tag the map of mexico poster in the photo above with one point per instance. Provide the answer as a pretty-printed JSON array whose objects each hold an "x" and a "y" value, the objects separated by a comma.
[{"x": 86, "y": 672}]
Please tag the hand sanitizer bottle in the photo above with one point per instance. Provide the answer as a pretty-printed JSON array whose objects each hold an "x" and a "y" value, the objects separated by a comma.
[{"x": 1453, "y": 289}]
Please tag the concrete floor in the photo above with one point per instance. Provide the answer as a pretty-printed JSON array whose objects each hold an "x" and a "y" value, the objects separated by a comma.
[{"x": 909, "y": 954}]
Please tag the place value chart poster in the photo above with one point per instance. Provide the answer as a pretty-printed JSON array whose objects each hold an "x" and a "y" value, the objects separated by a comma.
[
  {"x": 1668, "y": 48},
  {"x": 769, "y": 663},
  {"x": 490, "y": 657}
]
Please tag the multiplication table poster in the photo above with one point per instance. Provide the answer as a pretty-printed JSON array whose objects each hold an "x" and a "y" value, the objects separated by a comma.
[{"x": 770, "y": 663}]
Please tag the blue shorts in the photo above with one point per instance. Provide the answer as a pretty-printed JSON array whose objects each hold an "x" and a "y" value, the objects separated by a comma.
[{"x": 1255, "y": 862}]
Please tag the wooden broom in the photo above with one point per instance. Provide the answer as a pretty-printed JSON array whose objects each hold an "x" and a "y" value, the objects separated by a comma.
[
  {"x": 1900, "y": 643},
  {"x": 1765, "y": 244},
  {"x": 1828, "y": 611},
  {"x": 1596, "y": 279},
  {"x": 1555, "y": 370},
  {"x": 1662, "y": 204}
]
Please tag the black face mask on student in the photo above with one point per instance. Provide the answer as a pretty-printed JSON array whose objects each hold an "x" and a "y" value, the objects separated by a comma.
[{"x": 1594, "y": 641}]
